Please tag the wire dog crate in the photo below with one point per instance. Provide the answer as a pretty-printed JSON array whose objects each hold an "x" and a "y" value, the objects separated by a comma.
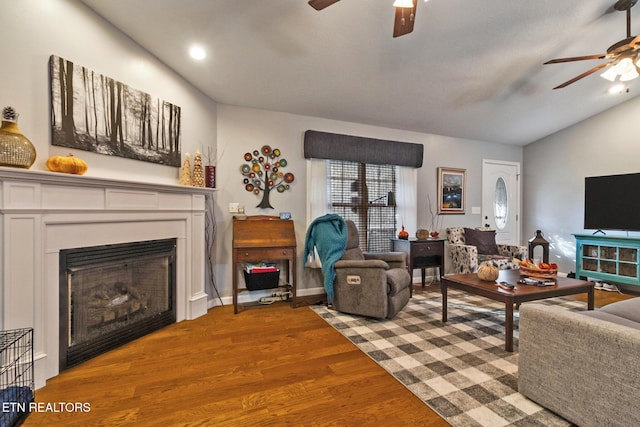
[{"x": 16, "y": 376}]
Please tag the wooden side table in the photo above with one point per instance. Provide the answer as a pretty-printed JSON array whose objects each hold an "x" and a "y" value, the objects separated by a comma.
[{"x": 422, "y": 254}]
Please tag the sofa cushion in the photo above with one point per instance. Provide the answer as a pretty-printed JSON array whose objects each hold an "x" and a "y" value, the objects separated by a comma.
[
  {"x": 628, "y": 309},
  {"x": 484, "y": 258},
  {"x": 498, "y": 261},
  {"x": 485, "y": 241},
  {"x": 618, "y": 320}
]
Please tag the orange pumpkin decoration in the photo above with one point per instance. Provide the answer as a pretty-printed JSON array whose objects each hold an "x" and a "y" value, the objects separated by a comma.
[
  {"x": 488, "y": 272},
  {"x": 67, "y": 164}
]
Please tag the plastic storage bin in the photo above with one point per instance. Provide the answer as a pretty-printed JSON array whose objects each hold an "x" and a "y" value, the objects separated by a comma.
[{"x": 262, "y": 280}]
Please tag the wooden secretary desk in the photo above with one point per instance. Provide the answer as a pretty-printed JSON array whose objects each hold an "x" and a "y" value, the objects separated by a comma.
[{"x": 264, "y": 238}]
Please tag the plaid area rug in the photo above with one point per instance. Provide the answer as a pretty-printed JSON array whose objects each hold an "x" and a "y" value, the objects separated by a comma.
[{"x": 460, "y": 369}]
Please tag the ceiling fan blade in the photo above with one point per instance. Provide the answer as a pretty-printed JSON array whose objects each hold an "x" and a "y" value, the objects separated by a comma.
[
  {"x": 404, "y": 19},
  {"x": 583, "y": 75},
  {"x": 577, "y": 58},
  {"x": 321, "y": 4},
  {"x": 635, "y": 41}
]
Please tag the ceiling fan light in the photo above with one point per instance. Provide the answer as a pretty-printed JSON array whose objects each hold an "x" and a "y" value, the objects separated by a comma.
[
  {"x": 610, "y": 74},
  {"x": 624, "y": 66},
  {"x": 629, "y": 75},
  {"x": 407, "y": 4}
]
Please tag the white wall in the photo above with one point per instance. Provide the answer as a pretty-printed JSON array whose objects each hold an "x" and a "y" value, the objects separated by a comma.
[
  {"x": 443, "y": 151},
  {"x": 555, "y": 168},
  {"x": 33, "y": 30},
  {"x": 245, "y": 129}
]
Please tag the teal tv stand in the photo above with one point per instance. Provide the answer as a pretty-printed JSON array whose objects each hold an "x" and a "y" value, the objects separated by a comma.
[{"x": 608, "y": 258}]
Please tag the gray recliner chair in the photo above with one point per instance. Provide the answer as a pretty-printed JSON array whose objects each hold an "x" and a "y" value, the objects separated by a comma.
[{"x": 370, "y": 284}]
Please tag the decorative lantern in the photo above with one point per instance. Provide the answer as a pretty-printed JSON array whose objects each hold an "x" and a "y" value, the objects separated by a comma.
[{"x": 538, "y": 240}]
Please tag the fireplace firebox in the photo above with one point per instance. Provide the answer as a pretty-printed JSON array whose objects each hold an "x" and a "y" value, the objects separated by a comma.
[{"x": 113, "y": 294}]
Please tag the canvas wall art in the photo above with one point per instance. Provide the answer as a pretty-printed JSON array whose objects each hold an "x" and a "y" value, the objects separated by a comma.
[{"x": 93, "y": 112}]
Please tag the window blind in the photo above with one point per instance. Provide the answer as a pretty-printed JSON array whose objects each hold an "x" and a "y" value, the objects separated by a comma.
[{"x": 359, "y": 192}]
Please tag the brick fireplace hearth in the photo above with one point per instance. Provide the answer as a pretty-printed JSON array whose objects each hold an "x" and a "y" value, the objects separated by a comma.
[{"x": 43, "y": 213}]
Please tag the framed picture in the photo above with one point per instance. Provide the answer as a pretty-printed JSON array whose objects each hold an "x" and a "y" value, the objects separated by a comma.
[
  {"x": 93, "y": 112},
  {"x": 451, "y": 190}
]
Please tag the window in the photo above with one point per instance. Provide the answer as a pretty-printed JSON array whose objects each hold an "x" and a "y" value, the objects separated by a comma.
[
  {"x": 359, "y": 192},
  {"x": 500, "y": 204}
]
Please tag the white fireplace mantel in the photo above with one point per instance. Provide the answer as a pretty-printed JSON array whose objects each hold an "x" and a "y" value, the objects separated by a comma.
[{"x": 44, "y": 212}]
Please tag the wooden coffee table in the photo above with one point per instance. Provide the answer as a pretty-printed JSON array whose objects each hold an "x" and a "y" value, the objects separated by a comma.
[{"x": 522, "y": 293}]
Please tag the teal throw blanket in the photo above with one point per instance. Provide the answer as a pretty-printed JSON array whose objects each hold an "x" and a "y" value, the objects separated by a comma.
[{"x": 328, "y": 234}]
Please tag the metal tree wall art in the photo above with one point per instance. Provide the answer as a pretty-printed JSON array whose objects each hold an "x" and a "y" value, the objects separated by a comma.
[{"x": 263, "y": 172}]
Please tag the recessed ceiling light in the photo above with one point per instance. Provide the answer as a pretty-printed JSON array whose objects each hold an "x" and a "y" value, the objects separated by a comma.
[{"x": 197, "y": 52}]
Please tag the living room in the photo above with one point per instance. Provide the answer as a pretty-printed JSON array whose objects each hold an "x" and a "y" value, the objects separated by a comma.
[{"x": 553, "y": 167}]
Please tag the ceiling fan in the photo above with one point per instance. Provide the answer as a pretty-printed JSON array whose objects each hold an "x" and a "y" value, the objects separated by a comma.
[
  {"x": 404, "y": 16},
  {"x": 625, "y": 61}
]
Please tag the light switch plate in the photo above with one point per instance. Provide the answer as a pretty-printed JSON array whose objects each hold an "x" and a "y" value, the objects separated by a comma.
[{"x": 233, "y": 207}]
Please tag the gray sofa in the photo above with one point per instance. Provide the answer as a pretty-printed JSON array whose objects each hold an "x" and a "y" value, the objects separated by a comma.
[{"x": 584, "y": 366}]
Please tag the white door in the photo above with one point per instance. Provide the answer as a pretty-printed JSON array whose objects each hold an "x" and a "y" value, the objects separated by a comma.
[{"x": 501, "y": 199}]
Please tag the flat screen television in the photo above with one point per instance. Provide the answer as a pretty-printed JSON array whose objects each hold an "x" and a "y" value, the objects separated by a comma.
[{"x": 612, "y": 202}]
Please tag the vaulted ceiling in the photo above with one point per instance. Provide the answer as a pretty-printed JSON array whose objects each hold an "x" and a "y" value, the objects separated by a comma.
[{"x": 470, "y": 69}]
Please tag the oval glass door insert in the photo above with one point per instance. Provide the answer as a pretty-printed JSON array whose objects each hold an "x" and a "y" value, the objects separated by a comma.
[{"x": 500, "y": 204}]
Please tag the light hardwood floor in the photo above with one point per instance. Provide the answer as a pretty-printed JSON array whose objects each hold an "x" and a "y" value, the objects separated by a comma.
[{"x": 266, "y": 366}]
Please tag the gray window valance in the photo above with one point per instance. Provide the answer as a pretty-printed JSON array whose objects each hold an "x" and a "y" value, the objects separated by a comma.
[{"x": 324, "y": 145}]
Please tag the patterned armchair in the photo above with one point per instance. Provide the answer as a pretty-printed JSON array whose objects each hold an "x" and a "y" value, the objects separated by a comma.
[{"x": 466, "y": 258}]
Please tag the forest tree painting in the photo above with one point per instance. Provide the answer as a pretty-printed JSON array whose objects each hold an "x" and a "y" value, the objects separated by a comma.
[{"x": 92, "y": 112}]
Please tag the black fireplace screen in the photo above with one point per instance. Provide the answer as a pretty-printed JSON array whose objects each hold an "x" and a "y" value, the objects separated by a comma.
[{"x": 112, "y": 294}]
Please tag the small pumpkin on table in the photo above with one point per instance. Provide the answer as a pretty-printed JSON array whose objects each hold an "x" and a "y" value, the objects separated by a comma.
[
  {"x": 488, "y": 272},
  {"x": 67, "y": 164}
]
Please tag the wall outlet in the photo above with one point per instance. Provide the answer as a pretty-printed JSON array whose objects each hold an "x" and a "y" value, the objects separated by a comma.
[{"x": 233, "y": 207}]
